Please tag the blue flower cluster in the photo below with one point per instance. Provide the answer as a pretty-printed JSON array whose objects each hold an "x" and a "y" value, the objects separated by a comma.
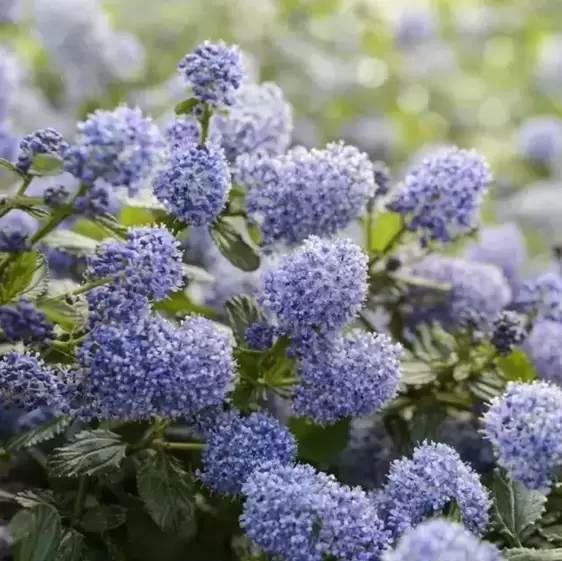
[
  {"x": 356, "y": 375},
  {"x": 317, "y": 289},
  {"x": 24, "y": 322},
  {"x": 298, "y": 514},
  {"x": 525, "y": 427},
  {"x": 425, "y": 484},
  {"x": 148, "y": 368},
  {"x": 147, "y": 263},
  {"x": 306, "y": 192},
  {"x": 544, "y": 348},
  {"x": 44, "y": 141},
  {"x": 441, "y": 197},
  {"x": 121, "y": 147},
  {"x": 508, "y": 330},
  {"x": 195, "y": 183},
  {"x": 437, "y": 540},
  {"x": 541, "y": 296},
  {"x": 183, "y": 130},
  {"x": 15, "y": 228},
  {"x": 539, "y": 139},
  {"x": 214, "y": 71},
  {"x": 475, "y": 290},
  {"x": 237, "y": 445}
]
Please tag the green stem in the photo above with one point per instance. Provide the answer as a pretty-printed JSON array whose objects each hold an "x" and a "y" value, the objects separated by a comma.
[
  {"x": 79, "y": 502},
  {"x": 369, "y": 242},
  {"x": 205, "y": 121},
  {"x": 178, "y": 445},
  {"x": 26, "y": 183},
  {"x": 394, "y": 240},
  {"x": 84, "y": 288}
]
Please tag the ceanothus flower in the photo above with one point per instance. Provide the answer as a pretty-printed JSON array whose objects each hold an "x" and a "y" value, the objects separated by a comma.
[
  {"x": 181, "y": 130},
  {"x": 237, "y": 445},
  {"x": 524, "y": 426},
  {"x": 382, "y": 177},
  {"x": 121, "y": 147},
  {"x": 317, "y": 289},
  {"x": 502, "y": 246},
  {"x": 98, "y": 200},
  {"x": 539, "y": 139},
  {"x": 43, "y": 141},
  {"x": 475, "y": 291},
  {"x": 147, "y": 367},
  {"x": 544, "y": 348},
  {"x": 56, "y": 195},
  {"x": 306, "y": 192},
  {"x": 260, "y": 120},
  {"x": 437, "y": 540},
  {"x": 355, "y": 375},
  {"x": 15, "y": 228},
  {"x": 110, "y": 303},
  {"x": 260, "y": 335},
  {"x": 24, "y": 322},
  {"x": 195, "y": 183},
  {"x": 148, "y": 262},
  {"x": 27, "y": 383},
  {"x": 541, "y": 296},
  {"x": 215, "y": 72},
  {"x": 441, "y": 197},
  {"x": 508, "y": 331},
  {"x": 298, "y": 514},
  {"x": 425, "y": 484}
]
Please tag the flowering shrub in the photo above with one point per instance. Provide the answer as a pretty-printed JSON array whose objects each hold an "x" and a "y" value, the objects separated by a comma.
[{"x": 225, "y": 374}]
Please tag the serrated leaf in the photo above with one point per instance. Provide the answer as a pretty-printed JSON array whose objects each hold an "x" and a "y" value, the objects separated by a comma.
[
  {"x": 62, "y": 313},
  {"x": 317, "y": 442},
  {"x": 241, "y": 312},
  {"x": 186, "y": 106},
  {"x": 516, "y": 366},
  {"x": 387, "y": 225},
  {"x": 168, "y": 494},
  {"x": 103, "y": 518},
  {"x": 486, "y": 386},
  {"x": 46, "y": 164},
  {"x": 36, "y": 533},
  {"x": 33, "y": 497},
  {"x": 70, "y": 547},
  {"x": 232, "y": 245},
  {"x": 39, "y": 434},
  {"x": 18, "y": 275},
  {"x": 88, "y": 453},
  {"x": 71, "y": 242},
  {"x": 522, "y": 554},
  {"x": 416, "y": 373},
  {"x": 516, "y": 508},
  {"x": 38, "y": 285},
  {"x": 552, "y": 533}
]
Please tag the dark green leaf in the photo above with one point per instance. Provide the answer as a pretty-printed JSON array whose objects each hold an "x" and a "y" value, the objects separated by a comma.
[
  {"x": 232, "y": 245},
  {"x": 242, "y": 311},
  {"x": 169, "y": 221},
  {"x": 516, "y": 367},
  {"x": 70, "y": 548},
  {"x": 516, "y": 508},
  {"x": 103, "y": 518},
  {"x": 46, "y": 164},
  {"x": 417, "y": 373},
  {"x": 71, "y": 242},
  {"x": 168, "y": 494},
  {"x": 197, "y": 274},
  {"x": 552, "y": 533},
  {"x": 186, "y": 106},
  {"x": 522, "y": 554},
  {"x": 18, "y": 275},
  {"x": 33, "y": 497},
  {"x": 452, "y": 511},
  {"x": 317, "y": 442},
  {"x": 39, "y": 434},
  {"x": 62, "y": 313},
  {"x": 38, "y": 285},
  {"x": 487, "y": 386},
  {"x": 180, "y": 303},
  {"x": 36, "y": 533},
  {"x": 386, "y": 227},
  {"x": 9, "y": 166},
  {"x": 88, "y": 453}
]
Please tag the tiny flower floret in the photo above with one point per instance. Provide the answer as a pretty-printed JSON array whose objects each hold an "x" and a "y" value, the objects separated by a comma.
[
  {"x": 43, "y": 141},
  {"x": 237, "y": 445},
  {"x": 524, "y": 426},
  {"x": 441, "y": 198},
  {"x": 24, "y": 322}
]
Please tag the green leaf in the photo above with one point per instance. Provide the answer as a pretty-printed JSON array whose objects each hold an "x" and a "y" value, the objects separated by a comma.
[
  {"x": 232, "y": 245},
  {"x": 522, "y": 554},
  {"x": 386, "y": 227},
  {"x": 39, "y": 434},
  {"x": 452, "y": 511},
  {"x": 417, "y": 373},
  {"x": 103, "y": 518},
  {"x": 91, "y": 230},
  {"x": 46, "y": 164},
  {"x": 19, "y": 274},
  {"x": 516, "y": 508},
  {"x": 36, "y": 533},
  {"x": 317, "y": 442},
  {"x": 134, "y": 216},
  {"x": 516, "y": 366},
  {"x": 88, "y": 453},
  {"x": 70, "y": 548},
  {"x": 62, "y": 313},
  {"x": 71, "y": 242},
  {"x": 34, "y": 497},
  {"x": 242, "y": 311},
  {"x": 9, "y": 166},
  {"x": 186, "y": 106},
  {"x": 38, "y": 285},
  {"x": 168, "y": 494},
  {"x": 197, "y": 274},
  {"x": 180, "y": 303}
]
